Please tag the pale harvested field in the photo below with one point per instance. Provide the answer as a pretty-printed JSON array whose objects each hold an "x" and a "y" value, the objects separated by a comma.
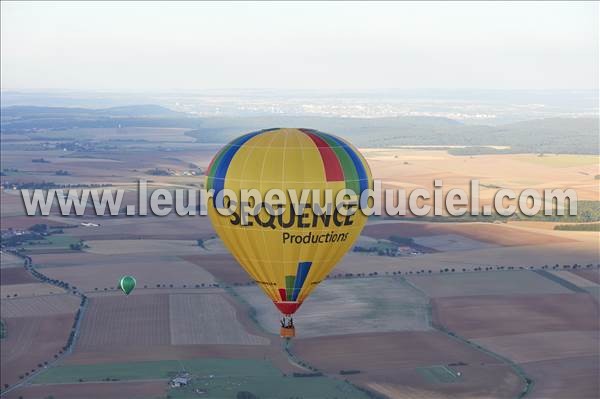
[
  {"x": 29, "y": 290},
  {"x": 9, "y": 260},
  {"x": 25, "y": 222},
  {"x": 348, "y": 306},
  {"x": 97, "y": 390},
  {"x": 575, "y": 378},
  {"x": 30, "y": 341},
  {"x": 39, "y": 306},
  {"x": 496, "y": 315},
  {"x": 582, "y": 252},
  {"x": 391, "y": 359},
  {"x": 504, "y": 234},
  {"x": 89, "y": 271},
  {"x": 11, "y": 204},
  {"x": 146, "y": 247},
  {"x": 161, "y": 291},
  {"x": 592, "y": 275},
  {"x": 207, "y": 319},
  {"x": 534, "y": 347},
  {"x": 451, "y": 242},
  {"x": 574, "y": 278},
  {"x": 108, "y": 167},
  {"x": 171, "y": 227},
  {"x": 223, "y": 266},
  {"x": 423, "y": 166},
  {"x": 486, "y": 283},
  {"x": 134, "y": 320}
]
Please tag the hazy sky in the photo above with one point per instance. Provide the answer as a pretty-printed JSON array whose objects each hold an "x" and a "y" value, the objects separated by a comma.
[{"x": 147, "y": 46}]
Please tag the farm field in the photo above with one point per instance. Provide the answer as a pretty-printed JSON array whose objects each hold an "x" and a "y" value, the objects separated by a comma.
[
  {"x": 590, "y": 275},
  {"x": 541, "y": 346},
  {"x": 39, "y": 306},
  {"x": 576, "y": 279},
  {"x": 486, "y": 283},
  {"x": 496, "y": 315},
  {"x": 390, "y": 363},
  {"x": 135, "y": 320},
  {"x": 207, "y": 319},
  {"x": 171, "y": 227},
  {"x": 100, "y": 390},
  {"x": 9, "y": 260},
  {"x": 348, "y": 306},
  {"x": 124, "y": 354},
  {"x": 223, "y": 266},
  {"x": 23, "y": 222},
  {"x": 146, "y": 247},
  {"x": 380, "y": 326},
  {"x": 30, "y": 341},
  {"x": 504, "y": 235},
  {"x": 565, "y": 378},
  {"x": 11, "y": 204},
  {"x": 90, "y": 271},
  {"x": 15, "y": 275},
  {"x": 409, "y": 168},
  {"x": 30, "y": 289},
  {"x": 582, "y": 252},
  {"x": 113, "y": 323},
  {"x": 51, "y": 244},
  {"x": 220, "y": 378},
  {"x": 451, "y": 242}
]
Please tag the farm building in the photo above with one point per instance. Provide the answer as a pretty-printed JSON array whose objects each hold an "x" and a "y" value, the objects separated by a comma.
[{"x": 179, "y": 381}]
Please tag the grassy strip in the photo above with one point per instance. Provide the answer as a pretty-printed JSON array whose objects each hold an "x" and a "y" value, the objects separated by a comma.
[{"x": 219, "y": 378}]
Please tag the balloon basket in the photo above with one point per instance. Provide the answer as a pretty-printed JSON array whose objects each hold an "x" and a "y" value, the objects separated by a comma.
[{"x": 287, "y": 332}]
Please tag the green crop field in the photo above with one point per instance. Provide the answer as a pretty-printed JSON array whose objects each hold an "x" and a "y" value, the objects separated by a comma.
[
  {"x": 219, "y": 378},
  {"x": 2, "y": 329},
  {"x": 438, "y": 374}
]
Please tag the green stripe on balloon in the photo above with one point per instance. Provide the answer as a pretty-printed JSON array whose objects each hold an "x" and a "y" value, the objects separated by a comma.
[
  {"x": 350, "y": 174},
  {"x": 289, "y": 286}
]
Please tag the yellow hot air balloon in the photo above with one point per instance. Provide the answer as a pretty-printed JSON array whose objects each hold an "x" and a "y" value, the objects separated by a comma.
[{"x": 287, "y": 255}]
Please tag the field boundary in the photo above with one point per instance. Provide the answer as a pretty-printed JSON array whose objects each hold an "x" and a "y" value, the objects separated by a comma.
[
  {"x": 558, "y": 280},
  {"x": 68, "y": 348},
  {"x": 526, "y": 379}
]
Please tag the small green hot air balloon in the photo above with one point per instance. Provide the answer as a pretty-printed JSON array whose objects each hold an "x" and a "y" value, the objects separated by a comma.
[{"x": 127, "y": 284}]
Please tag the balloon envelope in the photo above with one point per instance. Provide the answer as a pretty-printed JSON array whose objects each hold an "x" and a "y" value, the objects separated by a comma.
[
  {"x": 127, "y": 284},
  {"x": 290, "y": 254}
]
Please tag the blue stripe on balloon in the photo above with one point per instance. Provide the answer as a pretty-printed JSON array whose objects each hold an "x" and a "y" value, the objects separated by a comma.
[
  {"x": 221, "y": 172},
  {"x": 301, "y": 273}
]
